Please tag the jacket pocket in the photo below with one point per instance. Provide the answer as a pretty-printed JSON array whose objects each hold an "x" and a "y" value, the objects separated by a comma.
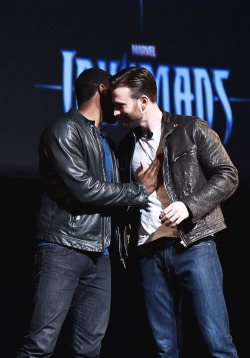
[{"x": 181, "y": 155}]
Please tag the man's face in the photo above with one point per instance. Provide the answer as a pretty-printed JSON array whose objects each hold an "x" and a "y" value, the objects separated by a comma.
[{"x": 126, "y": 109}]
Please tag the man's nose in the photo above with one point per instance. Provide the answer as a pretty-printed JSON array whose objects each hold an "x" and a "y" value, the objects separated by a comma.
[{"x": 116, "y": 112}]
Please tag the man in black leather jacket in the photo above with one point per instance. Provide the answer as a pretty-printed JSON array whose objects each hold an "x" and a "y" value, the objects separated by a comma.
[
  {"x": 73, "y": 226},
  {"x": 172, "y": 237}
]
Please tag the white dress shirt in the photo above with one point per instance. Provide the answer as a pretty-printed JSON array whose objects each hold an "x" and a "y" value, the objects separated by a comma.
[{"x": 151, "y": 227}]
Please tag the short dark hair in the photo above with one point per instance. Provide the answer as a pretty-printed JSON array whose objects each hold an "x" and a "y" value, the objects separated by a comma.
[
  {"x": 138, "y": 79},
  {"x": 87, "y": 83}
]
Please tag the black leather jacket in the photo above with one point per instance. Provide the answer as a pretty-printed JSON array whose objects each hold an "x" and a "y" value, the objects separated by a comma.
[
  {"x": 197, "y": 170},
  {"x": 76, "y": 206}
]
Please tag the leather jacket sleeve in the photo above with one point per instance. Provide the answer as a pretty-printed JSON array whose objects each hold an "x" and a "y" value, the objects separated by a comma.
[
  {"x": 221, "y": 175},
  {"x": 66, "y": 159}
]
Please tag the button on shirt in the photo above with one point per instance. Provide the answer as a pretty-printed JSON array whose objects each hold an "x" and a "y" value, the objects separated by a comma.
[{"x": 151, "y": 227}]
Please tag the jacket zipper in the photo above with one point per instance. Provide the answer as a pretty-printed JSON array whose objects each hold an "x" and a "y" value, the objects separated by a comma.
[
  {"x": 183, "y": 241},
  {"x": 130, "y": 164},
  {"x": 182, "y": 154},
  {"x": 96, "y": 135}
]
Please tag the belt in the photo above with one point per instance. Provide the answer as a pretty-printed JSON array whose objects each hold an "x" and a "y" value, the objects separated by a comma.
[{"x": 149, "y": 249}]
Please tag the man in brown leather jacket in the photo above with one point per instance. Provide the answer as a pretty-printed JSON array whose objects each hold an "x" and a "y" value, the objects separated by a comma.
[
  {"x": 174, "y": 233},
  {"x": 73, "y": 226}
]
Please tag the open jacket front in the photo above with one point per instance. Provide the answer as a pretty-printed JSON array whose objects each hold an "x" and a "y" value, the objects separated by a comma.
[{"x": 196, "y": 170}]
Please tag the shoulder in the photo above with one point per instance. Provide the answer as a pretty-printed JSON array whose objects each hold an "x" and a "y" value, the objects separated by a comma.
[
  {"x": 184, "y": 119},
  {"x": 65, "y": 123},
  {"x": 66, "y": 128},
  {"x": 187, "y": 123}
]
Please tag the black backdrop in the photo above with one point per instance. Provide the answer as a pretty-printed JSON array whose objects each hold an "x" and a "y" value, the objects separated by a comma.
[{"x": 39, "y": 41}]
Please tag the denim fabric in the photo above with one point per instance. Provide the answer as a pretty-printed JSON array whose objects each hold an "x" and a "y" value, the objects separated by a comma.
[
  {"x": 197, "y": 271},
  {"x": 68, "y": 280}
]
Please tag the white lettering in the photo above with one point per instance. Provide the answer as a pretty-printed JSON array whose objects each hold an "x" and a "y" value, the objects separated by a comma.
[
  {"x": 183, "y": 96},
  {"x": 218, "y": 77},
  {"x": 202, "y": 85},
  {"x": 143, "y": 50},
  {"x": 67, "y": 78}
]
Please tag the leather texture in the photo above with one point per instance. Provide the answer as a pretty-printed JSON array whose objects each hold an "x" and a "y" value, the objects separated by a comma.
[
  {"x": 78, "y": 201},
  {"x": 196, "y": 169}
]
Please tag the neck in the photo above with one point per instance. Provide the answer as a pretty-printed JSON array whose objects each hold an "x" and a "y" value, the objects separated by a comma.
[
  {"x": 92, "y": 111},
  {"x": 152, "y": 117}
]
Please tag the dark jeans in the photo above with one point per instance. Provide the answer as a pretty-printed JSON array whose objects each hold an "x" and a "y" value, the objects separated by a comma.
[
  {"x": 68, "y": 280},
  {"x": 198, "y": 273}
]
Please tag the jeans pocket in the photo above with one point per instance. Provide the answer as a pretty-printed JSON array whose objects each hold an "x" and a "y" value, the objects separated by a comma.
[
  {"x": 203, "y": 242},
  {"x": 56, "y": 249}
]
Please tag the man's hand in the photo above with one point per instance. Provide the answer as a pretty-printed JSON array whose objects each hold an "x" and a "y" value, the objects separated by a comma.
[
  {"x": 149, "y": 177},
  {"x": 174, "y": 214}
]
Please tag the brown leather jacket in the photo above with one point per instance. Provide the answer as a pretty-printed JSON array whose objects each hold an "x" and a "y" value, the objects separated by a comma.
[{"x": 196, "y": 169}]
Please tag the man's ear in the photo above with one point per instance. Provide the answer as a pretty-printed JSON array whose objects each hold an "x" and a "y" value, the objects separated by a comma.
[
  {"x": 101, "y": 88},
  {"x": 144, "y": 101}
]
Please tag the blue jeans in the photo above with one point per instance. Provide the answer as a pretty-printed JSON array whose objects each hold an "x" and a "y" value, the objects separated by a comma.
[
  {"x": 197, "y": 272},
  {"x": 68, "y": 280}
]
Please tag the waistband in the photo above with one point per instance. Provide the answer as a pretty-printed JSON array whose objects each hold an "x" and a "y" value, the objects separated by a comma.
[{"x": 151, "y": 248}]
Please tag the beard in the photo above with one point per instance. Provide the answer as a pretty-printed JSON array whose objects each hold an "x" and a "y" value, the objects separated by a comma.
[{"x": 132, "y": 119}]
